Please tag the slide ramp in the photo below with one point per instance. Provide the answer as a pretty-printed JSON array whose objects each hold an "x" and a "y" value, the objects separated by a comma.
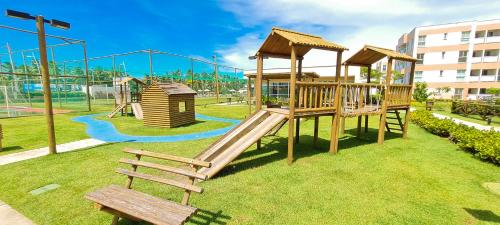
[
  {"x": 236, "y": 141},
  {"x": 137, "y": 110}
]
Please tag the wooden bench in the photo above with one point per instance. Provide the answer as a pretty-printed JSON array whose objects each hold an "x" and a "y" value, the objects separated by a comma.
[{"x": 123, "y": 202}]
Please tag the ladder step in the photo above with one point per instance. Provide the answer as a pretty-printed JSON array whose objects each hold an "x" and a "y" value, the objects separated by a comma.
[
  {"x": 394, "y": 123},
  {"x": 392, "y": 118},
  {"x": 396, "y": 129}
]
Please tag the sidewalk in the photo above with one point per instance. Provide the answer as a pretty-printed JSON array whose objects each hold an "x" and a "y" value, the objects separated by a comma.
[
  {"x": 31, "y": 154},
  {"x": 467, "y": 123},
  {"x": 9, "y": 216}
]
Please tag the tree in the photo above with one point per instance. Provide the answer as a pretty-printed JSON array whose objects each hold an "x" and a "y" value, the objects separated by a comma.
[
  {"x": 442, "y": 90},
  {"x": 493, "y": 91},
  {"x": 420, "y": 93}
]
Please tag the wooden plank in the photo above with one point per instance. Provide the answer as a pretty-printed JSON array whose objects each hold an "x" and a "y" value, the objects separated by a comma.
[
  {"x": 164, "y": 168},
  {"x": 168, "y": 157},
  {"x": 160, "y": 180}
]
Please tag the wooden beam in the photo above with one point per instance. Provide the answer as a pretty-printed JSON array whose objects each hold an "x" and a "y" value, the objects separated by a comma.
[
  {"x": 316, "y": 126},
  {"x": 368, "y": 80},
  {"x": 407, "y": 114},
  {"x": 258, "y": 83},
  {"x": 335, "y": 120},
  {"x": 412, "y": 73},
  {"x": 293, "y": 77},
  {"x": 249, "y": 96},
  {"x": 381, "y": 126},
  {"x": 297, "y": 128}
]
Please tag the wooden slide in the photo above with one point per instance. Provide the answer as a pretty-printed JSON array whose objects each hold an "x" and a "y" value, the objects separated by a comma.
[
  {"x": 237, "y": 140},
  {"x": 137, "y": 110}
]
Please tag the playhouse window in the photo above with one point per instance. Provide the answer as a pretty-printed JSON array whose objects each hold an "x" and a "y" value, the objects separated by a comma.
[{"x": 182, "y": 106}]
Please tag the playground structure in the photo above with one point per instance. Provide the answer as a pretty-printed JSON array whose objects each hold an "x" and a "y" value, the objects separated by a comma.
[
  {"x": 129, "y": 91},
  {"x": 168, "y": 105}
]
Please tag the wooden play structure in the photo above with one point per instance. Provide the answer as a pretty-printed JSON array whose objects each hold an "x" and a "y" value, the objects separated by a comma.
[
  {"x": 128, "y": 93},
  {"x": 308, "y": 98},
  {"x": 168, "y": 105}
]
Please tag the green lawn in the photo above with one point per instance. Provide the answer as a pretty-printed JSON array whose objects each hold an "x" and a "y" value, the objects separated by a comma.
[
  {"x": 422, "y": 180},
  {"x": 444, "y": 108}
]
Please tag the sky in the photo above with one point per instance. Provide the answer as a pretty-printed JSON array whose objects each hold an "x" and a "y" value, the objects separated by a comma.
[{"x": 230, "y": 29}]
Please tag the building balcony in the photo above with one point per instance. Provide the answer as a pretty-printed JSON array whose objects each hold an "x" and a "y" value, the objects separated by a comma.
[
  {"x": 492, "y": 39},
  {"x": 490, "y": 59},
  {"x": 476, "y": 59},
  {"x": 479, "y": 40},
  {"x": 488, "y": 78}
]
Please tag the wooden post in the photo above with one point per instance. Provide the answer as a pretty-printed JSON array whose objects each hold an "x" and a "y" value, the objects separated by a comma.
[
  {"x": 258, "y": 83},
  {"x": 342, "y": 122},
  {"x": 249, "y": 95},
  {"x": 297, "y": 127},
  {"x": 85, "y": 59},
  {"x": 316, "y": 126},
  {"x": 368, "y": 80},
  {"x": 335, "y": 120},
  {"x": 216, "y": 78},
  {"x": 293, "y": 77},
  {"x": 47, "y": 95},
  {"x": 381, "y": 126},
  {"x": 407, "y": 113},
  {"x": 267, "y": 89}
]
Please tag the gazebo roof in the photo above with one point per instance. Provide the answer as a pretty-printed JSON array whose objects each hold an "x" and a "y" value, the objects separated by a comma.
[
  {"x": 128, "y": 79},
  {"x": 278, "y": 43},
  {"x": 175, "y": 88},
  {"x": 281, "y": 75},
  {"x": 370, "y": 54}
]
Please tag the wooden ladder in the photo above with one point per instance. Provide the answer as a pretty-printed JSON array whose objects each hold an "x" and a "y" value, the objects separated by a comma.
[
  {"x": 117, "y": 109},
  {"x": 391, "y": 120}
]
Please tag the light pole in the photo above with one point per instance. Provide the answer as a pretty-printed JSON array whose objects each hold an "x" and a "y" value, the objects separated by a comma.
[{"x": 42, "y": 46}]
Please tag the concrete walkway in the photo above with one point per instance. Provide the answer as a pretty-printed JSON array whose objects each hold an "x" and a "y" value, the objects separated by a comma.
[
  {"x": 9, "y": 216},
  {"x": 467, "y": 123},
  {"x": 31, "y": 154}
]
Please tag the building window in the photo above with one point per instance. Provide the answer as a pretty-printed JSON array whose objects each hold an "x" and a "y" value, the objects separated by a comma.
[
  {"x": 493, "y": 33},
  {"x": 421, "y": 40},
  {"x": 460, "y": 74},
  {"x": 420, "y": 58},
  {"x": 491, "y": 52},
  {"x": 458, "y": 93},
  {"x": 472, "y": 91},
  {"x": 182, "y": 106},
  {"x": 418, "y": 75},
  {"x": 482, "y": 91},
  {"x": 445, "y": 36},
  {"x": 465, "y": 36},
  {"x": 490, "y": 72},
  {"x": 479, "y": 34},
  {"x": 440, "y": 73},
  {"x": 384, "y": 67},
  {"x": 478, "y": 53},
  {"x": 475, "y": 73},
  {"x": 442, "y": 55},
  {"x": 462, "y": 56}
]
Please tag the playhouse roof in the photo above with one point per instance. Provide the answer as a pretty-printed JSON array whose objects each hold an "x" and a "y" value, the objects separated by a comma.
[
  {"x": 175, "y": 88},
  {"x": 128, "y": 79},
  {"x": 278, "y": 43},
  {"x": 282, "y": 75},
  {"x": 371, "y": 54}
]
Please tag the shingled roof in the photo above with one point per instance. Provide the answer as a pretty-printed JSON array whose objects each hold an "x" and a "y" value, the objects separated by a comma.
[
  {"x": 175, "y": 88},
  {"x": 371, "y": 54},
  {"x": 278, "y": 43}
]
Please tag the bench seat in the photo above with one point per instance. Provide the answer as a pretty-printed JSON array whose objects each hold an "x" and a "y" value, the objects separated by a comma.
[{"x": 137, "y": 205}]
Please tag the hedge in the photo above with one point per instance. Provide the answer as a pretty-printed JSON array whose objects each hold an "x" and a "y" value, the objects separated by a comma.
[
  {"x": 483, "y": 109},
  {"x": 483, "y": 144}
]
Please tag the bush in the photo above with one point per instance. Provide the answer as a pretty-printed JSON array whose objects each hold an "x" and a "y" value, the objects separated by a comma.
[
  {"x": 420, "y": 93},
  {"x": 484, "y": 144},
  {"x": 483, "y": 109}
]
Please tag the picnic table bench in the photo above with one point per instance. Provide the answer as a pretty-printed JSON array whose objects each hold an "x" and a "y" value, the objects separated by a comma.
[{"x": 123, "y": 202}]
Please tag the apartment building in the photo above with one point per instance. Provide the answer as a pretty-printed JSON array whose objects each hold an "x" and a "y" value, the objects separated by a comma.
[{"x": 463, "y": 56}]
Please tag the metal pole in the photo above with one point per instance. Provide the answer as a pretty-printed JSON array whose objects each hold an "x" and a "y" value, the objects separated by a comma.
[
  {"x": 192, "y": 73},
  {"x": 65, "y": 83},
  {"x": 54, "y": 65},
  {"x": 13, "y": 67},
  {"x": 84, "y": 45},
  {"x": 47, "y": 95},
  {"x": 27, "y": 77},
  {"x": 150, "y": 66},
  {"x": 216, "y": 79},
  {"x": 114, "y": 79}
]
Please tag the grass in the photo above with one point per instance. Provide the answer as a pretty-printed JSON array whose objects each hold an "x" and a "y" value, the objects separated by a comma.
[
  {"x": 444, "y": 108},
  {"x": 420, "y": 180}
]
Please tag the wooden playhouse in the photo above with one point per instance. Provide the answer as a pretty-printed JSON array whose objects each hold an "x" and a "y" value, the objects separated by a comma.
[{"x": 168, "y": 105}]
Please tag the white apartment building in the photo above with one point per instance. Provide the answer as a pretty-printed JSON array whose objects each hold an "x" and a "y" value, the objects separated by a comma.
[{"x": 463, "y": 56}]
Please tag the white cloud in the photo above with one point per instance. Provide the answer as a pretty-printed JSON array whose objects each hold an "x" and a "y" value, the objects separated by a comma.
[{"x": 350, "y": 23}]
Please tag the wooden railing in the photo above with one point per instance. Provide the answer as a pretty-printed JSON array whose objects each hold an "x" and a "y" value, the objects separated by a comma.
[
  {"x": 315, "y": 96},
  {"x": 399, "y": 95},
  {"x": 361, "y": 98}
]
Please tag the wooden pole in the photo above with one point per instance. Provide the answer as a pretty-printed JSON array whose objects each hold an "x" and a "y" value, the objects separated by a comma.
[
  {"x": 216, "y": 69},
  {"x": 316, "y": 126},
  {"x": 335, "y": 120},
  {"x": 342, "y": 121},
  {"x": 267, "y": 90},
  {"x": 297, "y": 127},
  {"x": 368, "y": 80},
  {"x": 258, "y": 83},
  {"x": 407, "y": 113},
  {"x": 86, "y": 74},
  {"x": 47, "y": 95},
  {"x": 249, "y": 96},
  {"x": 293, "y": 76},
  {"x": 381, "y": 126}
]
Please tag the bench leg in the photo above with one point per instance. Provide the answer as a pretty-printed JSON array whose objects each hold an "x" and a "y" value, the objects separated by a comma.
[{"x": 115, "y": 220}]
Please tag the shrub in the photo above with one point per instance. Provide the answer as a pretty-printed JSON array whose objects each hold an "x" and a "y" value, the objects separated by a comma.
[
  {"x": 420, "y": 93},
  {"x": 484, "y": 144}
]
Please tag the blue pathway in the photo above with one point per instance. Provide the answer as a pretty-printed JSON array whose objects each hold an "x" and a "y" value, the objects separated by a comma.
[{"x": 106, "y": 131}]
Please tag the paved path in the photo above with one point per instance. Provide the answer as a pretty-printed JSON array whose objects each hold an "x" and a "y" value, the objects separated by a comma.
[
  {"x": 20, "y": 156},
  {"x": 9, "y": 216},
  {"x": 470, "y": 124}
]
